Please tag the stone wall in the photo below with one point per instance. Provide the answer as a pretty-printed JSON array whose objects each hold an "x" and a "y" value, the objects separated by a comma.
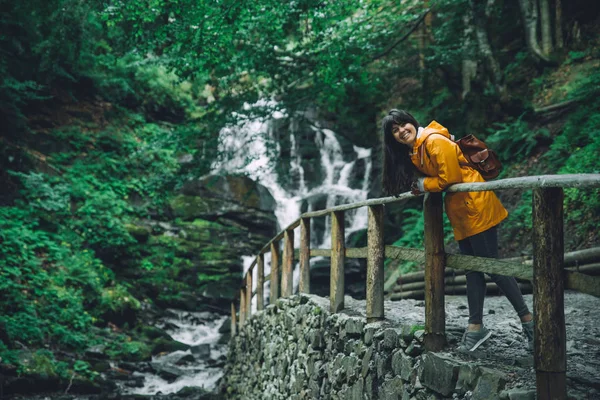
[{"x": 296, "y": 349}]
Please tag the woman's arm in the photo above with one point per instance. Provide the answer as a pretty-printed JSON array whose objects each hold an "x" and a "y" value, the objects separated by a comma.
[{"x": 443, "y": 153}]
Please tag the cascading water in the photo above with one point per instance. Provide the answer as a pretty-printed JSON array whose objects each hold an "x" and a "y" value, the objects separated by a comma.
[{"x": 253, "y": 147}]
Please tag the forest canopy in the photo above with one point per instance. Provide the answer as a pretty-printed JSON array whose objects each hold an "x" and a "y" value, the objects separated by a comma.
[{"x": 109, "y": 107}]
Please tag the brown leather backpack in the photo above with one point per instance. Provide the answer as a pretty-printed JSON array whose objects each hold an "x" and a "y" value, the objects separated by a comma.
[{"x": 481, "y": 158}]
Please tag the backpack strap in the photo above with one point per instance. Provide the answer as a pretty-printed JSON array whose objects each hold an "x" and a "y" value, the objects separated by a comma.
[{"x": 423, "y": 149}]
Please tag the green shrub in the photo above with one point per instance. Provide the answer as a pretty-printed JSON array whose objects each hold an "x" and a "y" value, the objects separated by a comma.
[{"x": 514, "y": 139}]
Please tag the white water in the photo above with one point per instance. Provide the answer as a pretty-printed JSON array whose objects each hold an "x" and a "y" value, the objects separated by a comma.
[
  {"x": 197, "y": 374},
  {"x": 251, "y": 147}
]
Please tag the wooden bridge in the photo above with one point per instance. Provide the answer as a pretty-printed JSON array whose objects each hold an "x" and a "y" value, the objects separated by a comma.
[{"x": 547, "y": 271}]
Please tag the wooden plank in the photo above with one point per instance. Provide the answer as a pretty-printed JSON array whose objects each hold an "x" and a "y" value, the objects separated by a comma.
[
  {"x": 582, "y": 283},
  {"x": 304, "y": 284},
  {"x": 419, "y": 294},
  {"x": 233, "y": 319},
  {"x": 336, "y": 283},
  {"x": 490, "y": 265},
  {"x": 405, "y": 253},
  {"x": 531, "y": 182},
  {"x": 288, "y": 264},
  {"x": 527, "y": 182},
  {"x": 260, "y": 283},
  {"x": 435, "y": 263},
  {"x": 375, "y": 259},
  {"x": 550, "y": 354},
  {"x": 274, "y": 272},
  {"x": 242, "y": 307},
  {"x": 248, "y": 294}
]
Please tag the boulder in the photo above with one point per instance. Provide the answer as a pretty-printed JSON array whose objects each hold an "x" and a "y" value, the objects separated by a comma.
[
  {"x": 201, "y": 351},
  {"x": 168, "y": 372}
]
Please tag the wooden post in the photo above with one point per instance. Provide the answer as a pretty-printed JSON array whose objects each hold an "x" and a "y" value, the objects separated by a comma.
[
  {"x": 287, "y": 283},
  {"x": 274, "y": 272},
  {"x": 435, "y": 264},
  {"x": 375, "y": 258},
  {"x": 304, "y": 286},
  {"x": 550, "y": 353},
  {"x": 260, "y": 283},
  {"x": 233, "y": 319},
  {"x": 249, "y": 293},
  {"x": 336, "y": 283},
  {"x": 242, "y": 307}
]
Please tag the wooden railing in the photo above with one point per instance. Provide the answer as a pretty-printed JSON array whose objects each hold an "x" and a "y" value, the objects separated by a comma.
[{"x": 547, "y": 272}]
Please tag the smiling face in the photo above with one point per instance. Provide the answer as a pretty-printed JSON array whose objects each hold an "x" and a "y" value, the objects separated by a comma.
[{"x": 405, "y": 133}]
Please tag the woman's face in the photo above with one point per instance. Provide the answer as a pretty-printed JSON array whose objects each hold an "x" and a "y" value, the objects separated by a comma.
[{"x": 405, "y": 133}]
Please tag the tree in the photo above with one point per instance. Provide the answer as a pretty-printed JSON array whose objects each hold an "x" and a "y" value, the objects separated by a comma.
[{"x": 529, "y": 13}]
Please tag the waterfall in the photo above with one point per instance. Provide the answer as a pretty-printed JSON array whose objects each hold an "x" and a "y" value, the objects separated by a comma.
[{"x": 253, "y": 147}]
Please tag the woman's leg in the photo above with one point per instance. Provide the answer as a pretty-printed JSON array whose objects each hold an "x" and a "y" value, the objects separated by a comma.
[
  {"x": 475, "y": 286},
  {"x": 485, "y": 244}
]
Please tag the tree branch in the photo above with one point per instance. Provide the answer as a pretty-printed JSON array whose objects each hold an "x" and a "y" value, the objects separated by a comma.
[{"x": 403, "y": 38}]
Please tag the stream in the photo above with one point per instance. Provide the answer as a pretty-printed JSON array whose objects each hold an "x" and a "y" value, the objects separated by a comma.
[{"x": 200, "y": 366}]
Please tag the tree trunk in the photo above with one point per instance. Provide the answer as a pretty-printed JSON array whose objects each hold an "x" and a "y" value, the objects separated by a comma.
[
  {"x": 529, "y": 13},
  {"x": 546, "y": 24},
  {"x": 469, "y": 65},
  {"x": 558, "y": 32},
  {"x": 480, "y": 18}
]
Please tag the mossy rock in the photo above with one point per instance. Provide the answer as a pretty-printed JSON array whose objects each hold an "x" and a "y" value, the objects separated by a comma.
[
  {"x": 139, "y": 233},
  {"x": 162, "y": 345}
]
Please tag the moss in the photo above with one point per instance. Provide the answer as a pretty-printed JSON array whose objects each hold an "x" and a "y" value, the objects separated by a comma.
[
  {"x": 188, "y": 207},
  {"x": 140, "y": 233}
]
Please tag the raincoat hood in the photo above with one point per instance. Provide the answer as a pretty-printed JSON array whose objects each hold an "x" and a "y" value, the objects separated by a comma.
[{"x": 433, "y": 127}]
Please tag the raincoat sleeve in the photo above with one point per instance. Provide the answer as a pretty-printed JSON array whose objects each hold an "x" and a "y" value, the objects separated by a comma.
[{"x": 443, "y": 154}]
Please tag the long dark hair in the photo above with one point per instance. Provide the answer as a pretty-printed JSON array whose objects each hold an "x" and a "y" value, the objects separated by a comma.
[{"x": 398, "y": 170}]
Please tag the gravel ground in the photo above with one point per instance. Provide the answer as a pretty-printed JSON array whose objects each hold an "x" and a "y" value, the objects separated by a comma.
[{"x": 506, "y": 349}]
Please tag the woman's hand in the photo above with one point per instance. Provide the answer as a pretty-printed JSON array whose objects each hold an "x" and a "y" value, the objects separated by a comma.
[{"x": 414, "y": 188}]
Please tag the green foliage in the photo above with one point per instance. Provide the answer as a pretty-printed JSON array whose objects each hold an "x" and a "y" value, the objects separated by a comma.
[
  {"x": 514, "y": 140},
  {"x": 123, "y": 348},
  {"x": 117, "y": 299}
]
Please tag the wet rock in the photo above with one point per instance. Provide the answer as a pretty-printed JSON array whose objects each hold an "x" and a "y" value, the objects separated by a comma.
[
  {"x": 225, "y": 326},
  {"x": 167, "y": 372},
  {"x": 201, "y": 351},
  {"x": 185, "y": 359},
  {"x": 162, "y": 345}
]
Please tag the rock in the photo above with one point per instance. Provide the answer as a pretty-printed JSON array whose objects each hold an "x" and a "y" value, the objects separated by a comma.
[
  {"x": 419, "y": 335},
  {"x": 167, "y": 372},
  {"x": 517, "y": 394},
  {"x": 139, "y": 232},
  {"x": 101, "y": 366},
  {"x": 467, "y": 378},
  {"x": 225, "y": 326},
  {"x": 185, "y": 359},
  {"x": 414, "y": 349},
  {"x": 439, "y": 373},
  {"x": 97, "y": 352},
  {"x": 354, "y": 327},
  {"x": 490, "y": 383},
  {"x": 162, "y": 345},
  {"x": 390, "y": 339},
  {"x": 201, "y": 351}
]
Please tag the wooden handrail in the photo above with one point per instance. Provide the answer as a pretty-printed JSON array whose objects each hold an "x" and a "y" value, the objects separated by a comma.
[{"x": 546, "y": 268}]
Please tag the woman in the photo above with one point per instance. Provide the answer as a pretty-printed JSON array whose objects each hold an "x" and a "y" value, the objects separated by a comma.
[{"x": 474, "y": 216}]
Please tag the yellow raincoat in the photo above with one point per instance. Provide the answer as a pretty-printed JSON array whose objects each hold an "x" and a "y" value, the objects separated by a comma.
[{"x": 444, "y": 164}]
